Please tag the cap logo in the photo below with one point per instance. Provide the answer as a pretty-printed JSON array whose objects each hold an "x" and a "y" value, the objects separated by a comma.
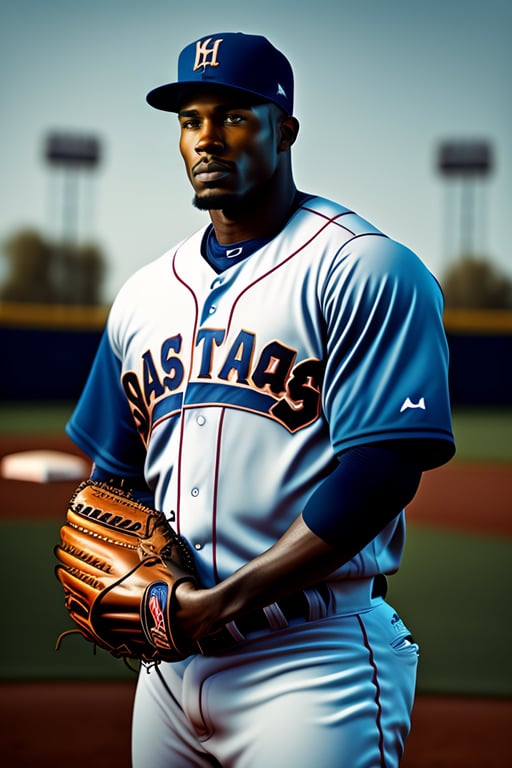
[{"x": 207, "y": 57}]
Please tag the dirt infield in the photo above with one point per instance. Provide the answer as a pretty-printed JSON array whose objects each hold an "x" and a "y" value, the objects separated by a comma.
[
  {"x": 475, "y": 498},
  {"x": 61, "y": 724}
]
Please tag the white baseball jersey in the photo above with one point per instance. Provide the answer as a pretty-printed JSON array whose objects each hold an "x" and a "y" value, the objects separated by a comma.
[{"x": 233, "y": 393}]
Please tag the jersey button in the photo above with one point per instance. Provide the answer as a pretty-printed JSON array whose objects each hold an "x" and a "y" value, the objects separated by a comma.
[
  {"x": 212, "y": 309},
  {"x": 201, "y": 421},
  {"x": 198, "y": 546},
  {"x": 195, "y": 491}
]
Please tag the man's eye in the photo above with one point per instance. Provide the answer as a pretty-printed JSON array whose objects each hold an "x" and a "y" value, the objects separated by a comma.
[{"x": 233, "y": 119}]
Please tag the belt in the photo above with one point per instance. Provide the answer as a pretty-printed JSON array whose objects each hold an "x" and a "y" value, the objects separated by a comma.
[{"x": 304, "y": 606}]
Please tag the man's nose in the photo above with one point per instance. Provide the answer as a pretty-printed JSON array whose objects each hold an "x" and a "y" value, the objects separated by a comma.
[{"x": 210, "y": 138}]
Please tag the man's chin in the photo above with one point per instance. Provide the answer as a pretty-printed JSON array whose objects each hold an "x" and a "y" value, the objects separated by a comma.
[{"x": 215, "y": 202}]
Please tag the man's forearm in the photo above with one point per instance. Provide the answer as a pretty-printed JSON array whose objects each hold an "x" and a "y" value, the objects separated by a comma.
[{"x": 299, "y": 559}]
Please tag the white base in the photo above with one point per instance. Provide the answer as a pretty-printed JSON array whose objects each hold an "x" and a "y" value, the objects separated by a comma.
[{"x": 44, "y": 466}]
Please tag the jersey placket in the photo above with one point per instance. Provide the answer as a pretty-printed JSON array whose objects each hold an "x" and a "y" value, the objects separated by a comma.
[{"x": 200, "y": 447}]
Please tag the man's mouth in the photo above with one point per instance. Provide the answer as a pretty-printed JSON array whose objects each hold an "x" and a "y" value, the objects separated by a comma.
[{"x": 209, "y": 172}]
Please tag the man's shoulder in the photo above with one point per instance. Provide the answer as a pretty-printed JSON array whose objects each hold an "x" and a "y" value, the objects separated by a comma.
[
  {"x": 364, "y": 244},
  {"x": 336, "y": 213}
]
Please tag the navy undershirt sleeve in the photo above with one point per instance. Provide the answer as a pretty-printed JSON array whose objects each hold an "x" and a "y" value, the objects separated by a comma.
[{"x": 371, "y": 485}]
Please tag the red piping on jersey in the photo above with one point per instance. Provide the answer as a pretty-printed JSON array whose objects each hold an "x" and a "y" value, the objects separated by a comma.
[
  {"x": 328, "y": 218},
  {"x": 328, "y": 221},
  {"x": 375, "y": 681},
  {"x": 196, "y": 305},
  {"x": 215, "y": 497}
]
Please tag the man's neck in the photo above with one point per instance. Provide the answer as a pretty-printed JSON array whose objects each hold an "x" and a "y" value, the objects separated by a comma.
[{"x": 263, "y": 216}]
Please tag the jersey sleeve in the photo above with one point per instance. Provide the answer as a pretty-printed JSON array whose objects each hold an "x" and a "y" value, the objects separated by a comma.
[
  {"x": 101, "y": 424},
  {"x": 387, "y": 368}
]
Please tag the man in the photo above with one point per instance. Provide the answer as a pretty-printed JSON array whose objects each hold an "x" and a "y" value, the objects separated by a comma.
[{"x": 278, "y": 382}]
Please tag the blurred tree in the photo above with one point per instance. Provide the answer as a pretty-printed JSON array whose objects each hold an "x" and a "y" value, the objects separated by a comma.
[
  {"x": 52, "y": 273},
  {"x": 79, "y": 273},
  {"x": 30, "y": 261},
  {"x": 475, "y": 283}
]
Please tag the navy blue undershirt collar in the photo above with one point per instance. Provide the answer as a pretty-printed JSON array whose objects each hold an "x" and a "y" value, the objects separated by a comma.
[{"x": 221, "y": 257}]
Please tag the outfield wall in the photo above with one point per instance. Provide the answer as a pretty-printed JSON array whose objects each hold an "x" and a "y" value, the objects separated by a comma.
[{"x": 47, "y": 352}]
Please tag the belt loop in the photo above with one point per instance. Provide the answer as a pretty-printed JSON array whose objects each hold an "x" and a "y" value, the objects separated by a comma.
[
  {"x": 316, "y": 603},
  {"x": 234, "y": 632},
  {"x": 275, "y": 616}
]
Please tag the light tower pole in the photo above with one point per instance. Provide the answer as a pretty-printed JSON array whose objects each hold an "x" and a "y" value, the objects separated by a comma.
[
  {"x": 467, "y": 162},
  {"x": 72, "y": 153}
]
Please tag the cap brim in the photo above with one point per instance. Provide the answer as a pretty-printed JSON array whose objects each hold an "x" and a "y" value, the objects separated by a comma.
[
  {"x": 170, "y": 97},
  {"x": 167, "y": 97}
]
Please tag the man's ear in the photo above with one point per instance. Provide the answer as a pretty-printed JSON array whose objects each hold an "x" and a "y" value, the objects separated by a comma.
[{"x": 288, "y": 130}]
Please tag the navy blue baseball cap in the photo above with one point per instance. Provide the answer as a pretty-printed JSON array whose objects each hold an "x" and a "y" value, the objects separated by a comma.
[{"x": 247, "y": 63}]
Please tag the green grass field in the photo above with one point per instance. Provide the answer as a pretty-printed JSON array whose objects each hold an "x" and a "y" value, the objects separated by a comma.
[{"x": 452, "y": 589}]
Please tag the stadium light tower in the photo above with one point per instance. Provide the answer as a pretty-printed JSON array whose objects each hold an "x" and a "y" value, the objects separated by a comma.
[
  {"x": 72, "y": 153},
  {"x": 467, "y": 162}
]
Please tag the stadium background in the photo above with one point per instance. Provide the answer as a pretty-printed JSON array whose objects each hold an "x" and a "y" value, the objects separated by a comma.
[{"x": 402, "y": 77}]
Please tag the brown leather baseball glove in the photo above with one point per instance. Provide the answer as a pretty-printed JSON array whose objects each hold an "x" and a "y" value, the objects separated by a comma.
[{"x": 120, "y": 564}]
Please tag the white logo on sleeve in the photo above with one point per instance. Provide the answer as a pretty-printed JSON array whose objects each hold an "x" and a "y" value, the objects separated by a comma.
[{"x": 408, "y": 403}]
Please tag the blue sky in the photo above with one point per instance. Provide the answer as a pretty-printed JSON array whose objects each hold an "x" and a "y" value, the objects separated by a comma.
[{"x": 378, "y": 86}]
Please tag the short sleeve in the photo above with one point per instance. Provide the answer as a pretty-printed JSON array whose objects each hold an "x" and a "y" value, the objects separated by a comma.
[
  {"x": 387, "y": 368},
  {"x": 101, "y": 424}
]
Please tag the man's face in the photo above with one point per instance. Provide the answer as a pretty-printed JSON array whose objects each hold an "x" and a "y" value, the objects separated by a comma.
[{"x": 229, "y": 146}]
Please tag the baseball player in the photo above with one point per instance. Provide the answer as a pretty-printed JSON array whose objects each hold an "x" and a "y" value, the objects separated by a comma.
[{"x": 276, "y": 384}]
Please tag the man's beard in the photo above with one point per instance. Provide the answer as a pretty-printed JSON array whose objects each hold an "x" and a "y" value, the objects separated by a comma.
[
  {"x": 218, "y": 202},
  {"x": 232, "y": 204}
]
